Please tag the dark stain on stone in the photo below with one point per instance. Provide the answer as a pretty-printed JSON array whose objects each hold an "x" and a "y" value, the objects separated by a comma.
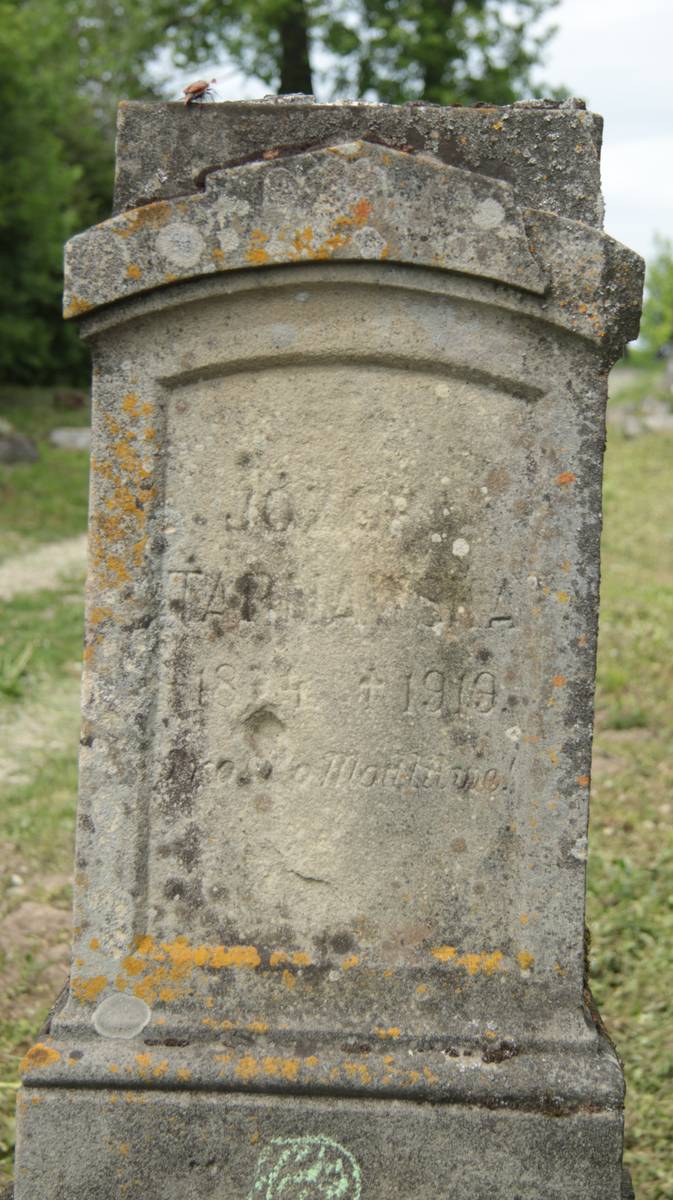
[
  {"x": 497, "y": 1052},
  {"x": 341, "y": 943}
]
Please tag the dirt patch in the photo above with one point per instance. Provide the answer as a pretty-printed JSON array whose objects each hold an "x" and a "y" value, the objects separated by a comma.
[{"x": 46, "y": 567}]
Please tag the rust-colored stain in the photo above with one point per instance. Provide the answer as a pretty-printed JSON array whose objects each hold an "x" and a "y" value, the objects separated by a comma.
[
  {"x": 583, "y": 780},
  {"x": 87, "y": 991},
  {"x": 39, "y": 1056},
  {"x": 565, "y": 477},
  {"x": 559, "y": 681}
]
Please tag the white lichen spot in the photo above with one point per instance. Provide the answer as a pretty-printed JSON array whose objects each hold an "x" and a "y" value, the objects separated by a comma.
[
  {"x": 369, "y": 243},
  {"x": 532, "y": 581},
  {"x": 435, "y": 537},
  {"x": 228, "y": 239},
  {"x": 513, "y": 733},
  {"x": 460, "y": 548},
  {"x": 442, "y": 392},
  {"x": 580, "y": 849},
  {"x": 230, "y": 206},
  {"x": 180, "y": 244},
  {"x": 122, "y": 1017},
  {"x": 400, "y": 503},
  {"x": 488, "y": 214}
]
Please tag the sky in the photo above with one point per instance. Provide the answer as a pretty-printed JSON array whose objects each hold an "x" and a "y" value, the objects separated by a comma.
[{"x": 618, "y": 56}]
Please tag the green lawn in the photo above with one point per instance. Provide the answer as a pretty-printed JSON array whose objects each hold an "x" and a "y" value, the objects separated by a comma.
[{"x": 631, "y": 861}]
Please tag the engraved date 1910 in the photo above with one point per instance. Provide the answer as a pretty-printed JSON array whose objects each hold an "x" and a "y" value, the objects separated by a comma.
[{"x": 448, "y": 695}]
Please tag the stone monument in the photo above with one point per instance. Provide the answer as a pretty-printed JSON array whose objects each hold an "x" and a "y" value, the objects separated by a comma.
[{"x": 349, "y": 372}]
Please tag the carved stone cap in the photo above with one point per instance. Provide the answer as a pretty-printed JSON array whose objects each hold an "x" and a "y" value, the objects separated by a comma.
[
  {"x": 548, "y": 150},
  {"x": 361, "y": 201}
]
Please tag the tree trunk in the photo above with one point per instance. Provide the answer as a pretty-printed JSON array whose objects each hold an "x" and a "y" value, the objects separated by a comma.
[{"x": 295, "y": 65}]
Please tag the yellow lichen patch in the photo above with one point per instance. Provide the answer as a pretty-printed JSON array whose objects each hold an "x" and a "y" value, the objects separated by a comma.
[
  {"x": 277, "y": 957},
  {"x": 357, "y": 1072},
  {"x": 553, "y": 757},
  {"x": 149, "y": 216},
  {"x": 133, "y": 271},
  {"x": 563, "y": 597},
  {"x": 559, "y": 681},
  {"x": 301, "y": 959},
  {"x": 490, "y": 1034},
  {"x": 444, "y": 953},
  {"x": 87, "y": 991},
  {"x": 565, "y": 478},
  {"x": 183, "y": 1074},
  {"x": 144, "y": 1062},
  {"x": 350, "y": 962},
  {"x": 421, "y": 989},
  {"x": 391, "y": 1032},
  {"x": 430, "y": 1076},
  {"x": 76, "y": 307},
  {"x": 124, "y": 1148},
  {"x": 311, "y": 1061},
  {"x": 284, "y": 1068},
  {"x": 485, "y": 962},
  {"x": 258, "y": 1027},
  {"x": 94, "y": 944},
  {"x": 256, "y": 254},
  {"x": 39, "y": 1056},
  {"x": 289, "y": 979},
  {"x": 217, "y": 254},
  {"x": 247, "y": 1068},
  {"x": 523, "y": 918},
  {"x": 161, "y": 1068},
  {"x": 113, "y": 1068},
  {"x": 525, "y": 959}
]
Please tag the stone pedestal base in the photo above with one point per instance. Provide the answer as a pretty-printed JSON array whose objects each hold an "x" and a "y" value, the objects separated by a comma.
[{"x": 81, "y": 1144}]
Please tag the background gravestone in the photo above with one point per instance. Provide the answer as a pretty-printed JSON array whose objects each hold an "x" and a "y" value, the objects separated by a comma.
[{"x": 349, "y": 390}]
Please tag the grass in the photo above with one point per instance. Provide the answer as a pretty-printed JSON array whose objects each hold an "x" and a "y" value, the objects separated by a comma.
[
  {"x": 631, "y": 858},
  {"x": 47, "y": 500}
]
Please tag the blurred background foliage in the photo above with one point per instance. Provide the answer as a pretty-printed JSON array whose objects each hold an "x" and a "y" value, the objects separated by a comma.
[{"x": 64, "y": 64}]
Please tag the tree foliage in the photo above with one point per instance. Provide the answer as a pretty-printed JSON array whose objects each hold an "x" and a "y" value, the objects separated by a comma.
[
  {"x": 65, "y": 63},
  {"x": 443, "y": 51},
  {"x": 60, "y": 76},
  {"x": 656, "y": 327}
]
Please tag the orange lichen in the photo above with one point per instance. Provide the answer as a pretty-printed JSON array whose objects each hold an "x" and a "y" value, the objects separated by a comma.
[
  {"x": 525, "y": 959},
  {"x": 87, "y": 991},
  {"x": 277, "y": 957},
  {"x": 484, "y": 963},
  {"x": 183, "y": 1074},
  {"x": 256, "y": 254},
  {"x": 391, "y": 1032},
  {"x": 583, "y": 780},
  {"x": 566, "y": 477},
  {"x": 559, "y": 681},
  {"x": 76, "y": 307},
  {"x": 301, "y": 959},
  {"x": 39, "y": 1056},
  {"x": 349, "y": 963},
  {"x": 149, "y": 216},
  {"x": 258, "y": 1027},
  {"x": 358, "y": 1072},
  {"x": 289, "y": 979},
  {"x": 133, "y": 271},
  {"x": 286, "y": 1068},
  {"x": 247, "y": 1068}
]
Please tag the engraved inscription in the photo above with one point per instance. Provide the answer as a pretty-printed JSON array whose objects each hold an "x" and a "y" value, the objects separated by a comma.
[
  {"x": 271, "y": 509},
  {"x": 438, "y": 693}
]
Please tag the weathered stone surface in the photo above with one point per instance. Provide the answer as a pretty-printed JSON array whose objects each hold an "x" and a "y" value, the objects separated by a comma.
[
  {"x": 549, "y": 152},
  {"x": 338, "y": 689}
]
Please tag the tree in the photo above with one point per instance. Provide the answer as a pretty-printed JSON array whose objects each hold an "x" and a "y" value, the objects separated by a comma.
[
  {"x": 443, "y": 51},
  {"x": 656, "y": 327},
  {"x": 59, "y": 81}
]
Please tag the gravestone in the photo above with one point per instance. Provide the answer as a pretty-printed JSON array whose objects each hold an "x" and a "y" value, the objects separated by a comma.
[{"x": 349, "y": 380}]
